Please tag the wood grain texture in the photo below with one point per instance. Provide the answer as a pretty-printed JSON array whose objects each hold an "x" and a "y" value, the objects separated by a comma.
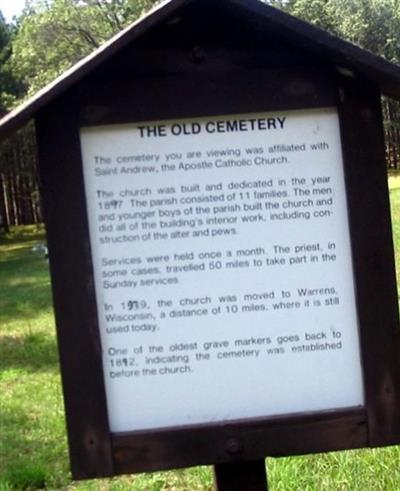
[
  {"x": 373, "y": 256},
  {"x": 239, "y": 441},
  {"x": 73, "y": 293}
]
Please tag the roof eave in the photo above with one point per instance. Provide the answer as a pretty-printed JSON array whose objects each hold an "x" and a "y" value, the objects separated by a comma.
[
  {"x": 313, "y": 39},
  {"x": 22, "y": 114}
]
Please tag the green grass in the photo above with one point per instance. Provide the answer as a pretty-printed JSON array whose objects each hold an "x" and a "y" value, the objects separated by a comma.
[
  {"x": 33, "y": 446},
  {"x": 394, "y": 186}
]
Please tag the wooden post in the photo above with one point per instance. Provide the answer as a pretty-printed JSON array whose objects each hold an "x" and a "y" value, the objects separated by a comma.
[{"x": 241, "y": 476}]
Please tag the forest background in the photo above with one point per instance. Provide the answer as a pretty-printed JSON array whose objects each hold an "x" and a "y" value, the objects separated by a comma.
[{"x": 51, "y": 35}]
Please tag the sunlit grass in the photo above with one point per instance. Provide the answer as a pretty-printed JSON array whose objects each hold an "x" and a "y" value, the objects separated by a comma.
[
  {"x": 394, "y": 179},
  {"x": 394, "y": 186}
]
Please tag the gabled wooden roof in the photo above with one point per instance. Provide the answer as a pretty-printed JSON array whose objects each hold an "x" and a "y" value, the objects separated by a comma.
[{"x": 315, "y": 41}]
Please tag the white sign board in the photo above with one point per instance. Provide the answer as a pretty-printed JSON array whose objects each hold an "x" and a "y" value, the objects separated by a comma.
[{"x": 223, "y": 269}]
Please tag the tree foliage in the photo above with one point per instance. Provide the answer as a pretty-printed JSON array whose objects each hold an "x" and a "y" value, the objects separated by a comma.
[
  {"x": 54, "y": 35},
  {"x": 49, "y": 37},
  {"x": 371, "y": 24},
  {"x": 10, "y": 87}
]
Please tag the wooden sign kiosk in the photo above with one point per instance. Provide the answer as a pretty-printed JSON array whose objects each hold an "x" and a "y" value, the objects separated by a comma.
[{"x": 221, "y": 252}]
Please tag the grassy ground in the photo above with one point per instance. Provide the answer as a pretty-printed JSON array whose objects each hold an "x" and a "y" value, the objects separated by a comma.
[
  {"x": 394, "y": 186},
  {"x": 33, "y": 448}
]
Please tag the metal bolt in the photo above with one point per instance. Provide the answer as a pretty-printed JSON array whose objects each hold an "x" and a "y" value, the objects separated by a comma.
[
  {"x": 233, "y": 446},
  {"x": 198, "y": 54}
]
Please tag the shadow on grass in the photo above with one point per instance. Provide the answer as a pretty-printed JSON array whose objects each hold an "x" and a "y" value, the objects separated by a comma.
[
  {"x": 23, "y": 302},
  {"x": 29, "y": 459},
  {"x": 24, "y": 233},
  {"x": 33, "y": 352},
  {"x": 25, "y": 286},
  {"x": 19, "y": 474}
]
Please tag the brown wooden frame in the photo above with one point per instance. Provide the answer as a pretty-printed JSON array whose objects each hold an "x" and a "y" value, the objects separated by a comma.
[
  {"x": 94, "y": 451},
  {"x": 176, "y": 83}
]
